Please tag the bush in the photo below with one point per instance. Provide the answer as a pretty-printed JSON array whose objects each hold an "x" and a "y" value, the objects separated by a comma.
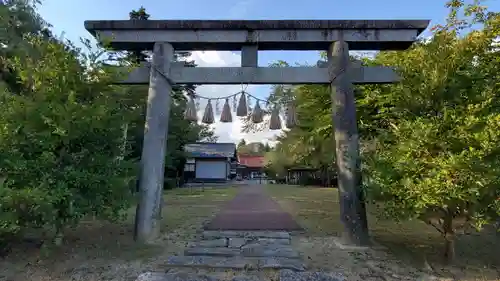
[{"x": 61, "y": 143}]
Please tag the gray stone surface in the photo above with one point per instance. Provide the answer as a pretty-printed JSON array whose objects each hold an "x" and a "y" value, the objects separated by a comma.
[
  {"x": 263, "y": 75},
  {"x": 281, "y": 263},
  {"x": 254, "y": 250},
  {"x": 93, "y": 25},
  {"x": 153, "y": 276},
  {"x": 427, "y": 277},
  {"x": 213, "y": 262},
  {"x": 265, "y": 251},
  {"x": 216, "y": 252},
  {"x": 186, "y": 276},
  {"x": 289, "y": 275},
  {"x": 274, "y": 241},
  {"x": 222, "y": 242},
  {"x": 237, "y": 242},
  {"x": 247, "y": 263},
  {"x": 246, "y": 278},
  {"x": 284, "y": 275},
  {"x": 188, "y": 35},
  {"x": 259, "y": 245}
]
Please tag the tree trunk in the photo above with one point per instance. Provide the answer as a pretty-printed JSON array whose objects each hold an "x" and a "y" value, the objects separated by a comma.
[{"x": 449, "y": 237}]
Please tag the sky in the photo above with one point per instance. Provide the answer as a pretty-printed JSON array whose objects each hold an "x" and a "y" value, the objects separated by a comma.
[{"x": 68, "y": 16}]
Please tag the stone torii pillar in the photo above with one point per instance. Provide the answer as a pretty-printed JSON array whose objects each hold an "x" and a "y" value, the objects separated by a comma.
[
  {"x": 336, "y": 36},
  {"x": 352, "y": 205},
  {"x": 155, "y": 143}
]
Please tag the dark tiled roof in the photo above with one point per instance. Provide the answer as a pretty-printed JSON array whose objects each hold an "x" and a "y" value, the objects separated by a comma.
[{"x": 210, "y": 149}]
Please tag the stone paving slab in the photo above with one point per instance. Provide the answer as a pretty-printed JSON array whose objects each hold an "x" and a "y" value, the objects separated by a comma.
[
  {"x": 259, "y": 246},
  {"x": 247, "y": 263},
  {"x": 245, "y": 251},
  {"x": 281, "y": 263},
  {"x": 213, "y": 262},
  {"x": 289, "y": 275},
  {"x": 176, "y": 276},
  {"x": 213, "y": 243},
  {"x": 273, "y": 241},
  {"x": 246, "y": 278},
  {"x": 284, "y": 275},
  {"x": 285, "y": 252},
  {"x": 152, "y": 276},
  {"x": 237, "y": 242},
  {"x": 216, "y": 252}
]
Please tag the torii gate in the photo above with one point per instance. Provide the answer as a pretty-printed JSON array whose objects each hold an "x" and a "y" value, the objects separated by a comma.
[{"x": 248, "y": 36}]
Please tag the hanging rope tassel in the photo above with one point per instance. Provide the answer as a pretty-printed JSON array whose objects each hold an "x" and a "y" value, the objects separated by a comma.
[
  {"x": 190, "y": 112},
  {"x": 242, "y": 109},
  {"x": 208, "y": 115},
  {"x": 257, "y": 114},
  {"x": 275, "y": 120},
  {"x": 291, "y": 115},
  {"x": 226, "y": 116}
]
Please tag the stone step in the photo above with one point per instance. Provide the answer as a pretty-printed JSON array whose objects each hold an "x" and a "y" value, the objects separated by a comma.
[
  {"x": 290, "y": 275},
  {"x": 213, "y": 234},
  {"x": 184, "y": 276},
  {"x": 281, "y": 263},
  {"x": 215, "y": 252},
  {"x": 284, "y": 275},
  {"x": 236, "y": 262},
  {"x": 212, "y": 243},
  {"x": 212, "y": 262},
  {"x": 246, "y": 251},
  {"x": 263, "y": 251},
  {"x": 238, "y": 242},
  {"x": 166, "y": 276},
  {"x": 278, "y": 241}
]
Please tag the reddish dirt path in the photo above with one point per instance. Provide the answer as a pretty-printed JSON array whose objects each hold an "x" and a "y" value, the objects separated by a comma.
[{"x": 252, "y": 209}]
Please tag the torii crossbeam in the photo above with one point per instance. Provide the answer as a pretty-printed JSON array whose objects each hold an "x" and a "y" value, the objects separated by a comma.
[{"x": 336, "y": 37}]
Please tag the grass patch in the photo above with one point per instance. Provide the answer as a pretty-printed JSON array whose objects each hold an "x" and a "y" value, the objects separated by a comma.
[
  {"x": 317, "y": 210},
  {"x": 98, "y": 250}
]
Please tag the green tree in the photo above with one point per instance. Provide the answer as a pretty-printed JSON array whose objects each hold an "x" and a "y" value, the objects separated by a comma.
[
  {"x": 267, "y": 148},
  {"x": 18, "y": 18},
  {"x": 251, "y": 149},
  {"x": 310, "y": 143},
  {"x": 61, "y": 153},
  {"x": 242, "y": 143},
  {"x": 438, "y": 160}
]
